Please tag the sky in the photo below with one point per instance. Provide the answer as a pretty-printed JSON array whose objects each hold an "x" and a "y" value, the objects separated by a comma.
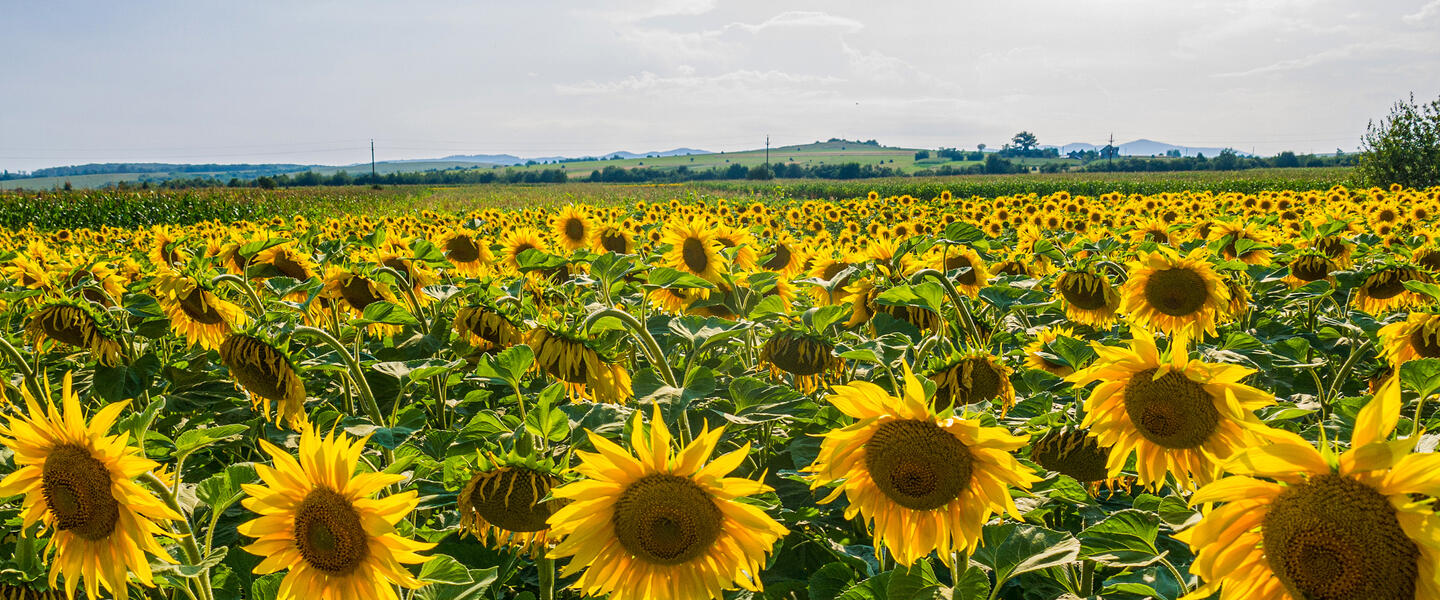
[{"x": 313, "y": 82}]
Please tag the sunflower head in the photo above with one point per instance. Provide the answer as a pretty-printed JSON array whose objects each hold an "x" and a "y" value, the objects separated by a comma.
[
  {"x": 1088, "y": 297},
  {"x": 1176, "y": 295},
  {"x": 806, "y": 356},
  {"x": 1310, "y": 265},
  {"x": 572, "y": 228},
  {"x": 196, "y": 312},
  {"x": 1384, "y": 289},
  {"x": 1073, "y": 452},
  {"x": 506, "y": 502},
  {"x": 74, "y": 323},
  {"x": 695, "y": 249},
  {"x": 1036, "y": 353},
  {"x": 577, "y": 362},
  {"x": 487, "y": 327},
  {"x": 969, "y": 377},
  {"x": 261, "y": 368},
  {"x": 614, "y": 238}
]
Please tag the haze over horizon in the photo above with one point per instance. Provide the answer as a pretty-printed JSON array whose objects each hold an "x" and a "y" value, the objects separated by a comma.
[{"x": 271, "y": 82}]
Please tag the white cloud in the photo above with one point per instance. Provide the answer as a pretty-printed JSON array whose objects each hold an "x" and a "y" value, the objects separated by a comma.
[
  {"x": 803, "y": 18},
  {"x": 1429, "y": 10}
]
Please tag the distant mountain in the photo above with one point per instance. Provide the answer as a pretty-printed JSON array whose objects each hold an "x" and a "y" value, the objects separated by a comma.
[{"x": 1144, "y": 147}]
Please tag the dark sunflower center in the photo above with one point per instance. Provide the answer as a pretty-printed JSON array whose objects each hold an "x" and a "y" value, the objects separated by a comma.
[
  {"x": 666, "y": 519},
  {"x": 195, "y": 305},
  {"x": 329, "y": 534},
  {"x": 1176, "y": 292},
  {"x": 780, "y": 258},
  {"x": 77, "y": 492},
  {"x": 509, "y": 498},
  {"x": 694, "y": 254},
  {"x": 613, "y": 241},
  {"x": 1071, "y": 452},
  {"x": 1011, "y": 267},
  {"x": 358, "y": 293},
  {"x": 917, "y": 464},
  {"x": 488, "y": 326},
  {"x": 462, "y": 249},
  {"x": 1387, "y": 284},
  {"x": 797, "y": 355},
  {"x": 1084, "y": 291},
  {"x": 66, "y": 324},
  {"x": 1171, "y": 411},
  {"x": 1310, "y": 268},
  {"x": 1157, "y": 236},
  {"x": 1334, "y": 538},
  {"x": 522, "y": 247},
  {"x": 961, "y": 262},
  {"x": 574, "y": 229},
  {"x": 1430, "y": 259},
  {"x": 1426, "y": 342},
  {"x": 259, "y": 368},
  {"x": 401, "y": 266},
  {"x": 288, "y": 267}
]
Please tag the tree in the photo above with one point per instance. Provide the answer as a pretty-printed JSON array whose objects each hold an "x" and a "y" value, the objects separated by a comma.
[
  {"x": 1405, "y": 147},
  {"x": 1025, "y": 140},
  {"x": 1287, "y": 159},
  {"x": 980, "y": 147},
  {"x": 759, "y": 172},
  {"x": 922, "y": 154}
]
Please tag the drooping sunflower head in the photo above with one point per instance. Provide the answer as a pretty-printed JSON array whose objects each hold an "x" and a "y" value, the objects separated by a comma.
[
  {"x": 805, "y": 356},
  {"x": 355, "y": 290},
  {"x": 505, "y": 503},
  {"x": 290, "y": 260},
  {"x": 1175, "y": 295},
  {"x": 694, "y": 249},
  {"x": 79, "y": 481},
  {"x": 261, "y": 368},
  {"x": 1073, "y": 452},
  {"x": 74, "y": 323},
  {"x": 575, "y": 360},
  {"x": 1179, "y": 417},
  {"x": 1309, "y": 265},
  {"x": 1038, "y": 354},
  {"x": 1384, "y": 289},
  {"x": 1335, "y": 248},
  {"x": 571, "y": 228},
  {"x": 95, "y": 282},
  {"x": 320, "y": 521},
  {"x": 906, "y": 471},
  {"x": 197, "y": 313},
  {"x": 969, "y": 377},
  {"x": 1418, "y": 336},
  {"x": 660, "y": 523},
  {"x": 1088, "y": 297},
  {"x": 487, "y": 328}
]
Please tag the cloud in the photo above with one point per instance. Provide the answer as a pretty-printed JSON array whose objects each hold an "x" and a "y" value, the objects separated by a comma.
[
  {"x": 803, "y": 18},
  {"x": 1342, "y": 53},
  {"x": 745, "y": 79},
  {"x": 1429, "y": 10}
]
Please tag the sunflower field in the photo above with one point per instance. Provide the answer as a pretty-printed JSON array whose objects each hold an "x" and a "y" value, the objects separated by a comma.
[{"x": 1177, "y": 395}]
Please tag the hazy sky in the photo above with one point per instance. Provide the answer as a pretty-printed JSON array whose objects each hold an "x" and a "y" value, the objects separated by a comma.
[{"x": 313, "y": 82}]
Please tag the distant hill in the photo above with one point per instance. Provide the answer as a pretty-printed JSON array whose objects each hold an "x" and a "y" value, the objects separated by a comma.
[
  {"x": 512, "y": 160},
  {"x": 1144, "y": 147}
]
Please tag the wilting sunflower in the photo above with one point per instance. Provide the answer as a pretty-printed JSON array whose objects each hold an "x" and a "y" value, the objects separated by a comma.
[
  {"x": 660, "y": 523},
  {"x": 1180, "y": 417},
  {"x": 486, "y": 328},
  {"x": 289, "y": 260},
  {"x": 354, "y": 291},
  {"x": 98, "y": 282},
  {"x": 1335, "y": 248},
  {"x": 806, "y": 357},
  {"x": 573, "y": 359},
  {"x": 79, "y": 481},
  {"x": 196, "y": 314},
  {"x": 319, "y": 520},
  {"x": 1418, "y": 336},
  {"x": 571, "y": 228},
  {"x": 76, "y": 324},
  {"x": 971, "y": 376},
  {"x": 268, "y": 374},
  {"x": 1309, "y": 265},
  {"x": 1323, "y": 526},
  {"x": 504, "y": 504},
  {"x": 1088, "y": 297},
  {"x": 1384, "y": 289},
  {"x": 922, "y": 483},
  {"x": 1073, "y": 452},
  {"x": 1035, "y": 352},
  {"x": 467, "y": 251},
  {"x": 694, "y": 249},
  {"x": 1175, "y": 295}
]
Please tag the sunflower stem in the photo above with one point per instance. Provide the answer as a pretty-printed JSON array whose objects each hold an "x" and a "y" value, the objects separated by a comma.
[
  {"x": 955, "y": 297},
  {"x": 244, "y": 286},
  {"x": 1087, "y": 579},
  {"x": 1345, "y": 371},
  {"x": 652, "y": 349},
  {"x": 187, "y": 535},
  {"x": 29, "y": 374},
  {"x": 367, "y": 398},
  {"x": 404, "y": 284},
  {"x": 547, "y": 578},
  {"x": 1174, "y": 572}
]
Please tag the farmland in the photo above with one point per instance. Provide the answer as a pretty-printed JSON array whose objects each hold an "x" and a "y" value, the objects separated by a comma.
[{"x": 1016, "y": 387}]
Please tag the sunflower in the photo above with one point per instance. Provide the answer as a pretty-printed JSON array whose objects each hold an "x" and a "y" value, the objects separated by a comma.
[
  {"x": 1087, "y": 297},
  {"x": 1035, "y": 352},
  {"x": 486, "y": 328},
  {"x": 24, "y": 592},
  {"x": 505, "y": 503},
  {"x": 1384, "y": 289},
  {"x": 80, "y": 482},
  {"x": 1175, "y": 295},
  {"x": 694, "y": 249},
  {"x": 659, "y": 523},
  {"x": 827, "y": 269},
  {"x": 614, "y": 238},
  {"x": 1335, "y": 248},
  {"x": 412, "y": 272},
  {"x": 1181, "y": 417},
  {"x": 1231, "y": 234},
  {"x": 574, "y": 360},
  {"x": 467, "y": 251},
  {"x": 196, "y": 313},
  {"x": 572, "y": 228},
  {"x": 1418, "y": 336},
  {"x": 268, "y": 374},
  {"x": 971, "y": 376},
  {"x": 1075, "y": 453},
  {"x": 165, "y": 249},
  {"x": 922, "y": 483},
  {"x": 319, "y": 521},
  {"x": 1309, "y": 265},
  {"x": 27, "y": 273},
  {"x": 354, "y": 291},
  {"x": 950, "y": 257},
  {"x": 808, "y": 358},
  {"x": 98, "y": 283},
  {"x": 74, "y": 323},
  {"x": 289, "y": 260},
  {"x": 785, "y": 257},
  {"x": 518, "y": 241},
  {"x": 1323, "y": 526}
]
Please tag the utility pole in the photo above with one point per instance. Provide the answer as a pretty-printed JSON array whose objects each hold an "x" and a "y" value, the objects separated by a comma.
[
  {"x": 1113, "y": 149},
  {"x": 767, "y": 152},
  {"x": 372, "y": 159}
]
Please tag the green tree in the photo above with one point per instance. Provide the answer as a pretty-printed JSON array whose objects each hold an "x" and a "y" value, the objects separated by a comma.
[
  {"x": 1025, "y": 140},
  {"x": 1405, "y": 147}
]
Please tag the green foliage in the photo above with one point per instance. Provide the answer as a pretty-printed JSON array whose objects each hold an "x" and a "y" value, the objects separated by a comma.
[{"x": 1405, "y": 147}]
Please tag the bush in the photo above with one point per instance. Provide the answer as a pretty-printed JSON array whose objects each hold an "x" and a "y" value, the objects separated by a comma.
[{"x": 1405, "y": 147}]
